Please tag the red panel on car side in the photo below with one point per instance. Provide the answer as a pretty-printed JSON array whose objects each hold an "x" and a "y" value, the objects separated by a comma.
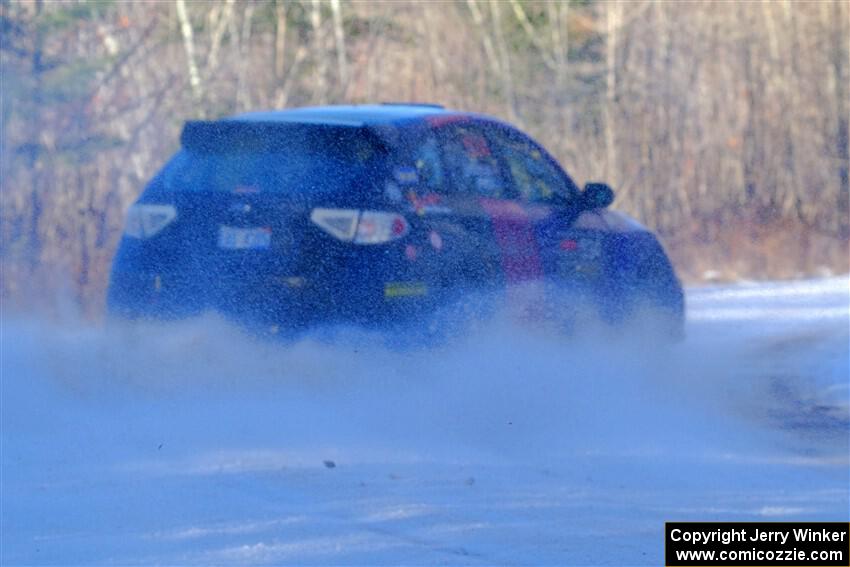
[{"x": 514, "y": 233}]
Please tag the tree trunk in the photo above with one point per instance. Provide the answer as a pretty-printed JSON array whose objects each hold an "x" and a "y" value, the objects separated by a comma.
[
  {"x": 489, "y": 51},
  {"x": 504, "y": 62},
  {"x": 341, "y": 56},
  {"x": 612, "y": 24},
  {"x": 279, "y": 40},
  {"x": 841, "y": 71},
  {"x": 243, "y": 98},
  {"x": 189, "y": 47},
  {"x": 320, "y": 93},
  {"x": 218, "y": 33}
]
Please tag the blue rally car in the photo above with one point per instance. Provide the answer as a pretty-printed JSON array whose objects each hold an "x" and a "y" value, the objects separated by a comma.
[{"x": 377, "y": 213}]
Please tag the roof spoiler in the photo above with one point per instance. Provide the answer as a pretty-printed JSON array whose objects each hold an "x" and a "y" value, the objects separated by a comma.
[{"x": 211, "y": 135}]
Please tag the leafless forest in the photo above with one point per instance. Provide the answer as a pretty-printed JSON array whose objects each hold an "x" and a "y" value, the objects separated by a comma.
[{"x": 722, "y": 125}]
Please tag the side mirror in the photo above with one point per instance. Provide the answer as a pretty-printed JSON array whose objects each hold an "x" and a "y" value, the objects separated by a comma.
[{"x": 597, "y": 196}]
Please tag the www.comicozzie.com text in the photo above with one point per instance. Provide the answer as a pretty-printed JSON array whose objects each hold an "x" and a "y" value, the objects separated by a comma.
[{"x": 727, "y": 536}]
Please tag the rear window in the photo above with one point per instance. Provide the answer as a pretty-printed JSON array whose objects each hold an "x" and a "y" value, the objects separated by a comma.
[{"x": 297, "y": 159}]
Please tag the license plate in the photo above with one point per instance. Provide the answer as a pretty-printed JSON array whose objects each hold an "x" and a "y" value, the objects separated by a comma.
[{"x": 231, "y": 238}]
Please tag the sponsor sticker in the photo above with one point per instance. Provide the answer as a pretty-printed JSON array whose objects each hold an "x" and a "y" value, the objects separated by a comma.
[
  {"x": 427, "y": 203},
  {"x": 406, "y": 175},
  {"x": 411, "y": 252},
  {"x": 404, "y": 289}
]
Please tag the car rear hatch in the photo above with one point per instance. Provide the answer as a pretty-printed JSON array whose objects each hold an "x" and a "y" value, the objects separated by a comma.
[{"x": 243, "y": 194}]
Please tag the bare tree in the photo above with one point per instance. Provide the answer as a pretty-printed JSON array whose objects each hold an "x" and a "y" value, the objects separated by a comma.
[
  {"x": 504, "y": 61},
  {"x": 339, "y": 37},
  {"x": 189, "y": 46},
  {"x": 321, "y": 79}
]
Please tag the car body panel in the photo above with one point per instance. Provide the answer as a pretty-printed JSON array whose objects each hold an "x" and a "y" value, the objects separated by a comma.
[{"x": 485, "y": 208}]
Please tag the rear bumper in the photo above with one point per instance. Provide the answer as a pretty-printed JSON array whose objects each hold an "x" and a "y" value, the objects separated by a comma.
[
  {"x": 380, "y": 285},
  {"x": 296, "y": 303},
  {"x": 289, "y": 301},
  {"x": 322, "y": 281}
]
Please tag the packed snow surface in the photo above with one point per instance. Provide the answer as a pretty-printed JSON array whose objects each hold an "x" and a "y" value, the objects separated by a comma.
[{"x": 189, "y": 442}]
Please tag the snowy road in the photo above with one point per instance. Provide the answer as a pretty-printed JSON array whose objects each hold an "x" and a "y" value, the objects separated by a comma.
[{"x": 192, "y": 444}]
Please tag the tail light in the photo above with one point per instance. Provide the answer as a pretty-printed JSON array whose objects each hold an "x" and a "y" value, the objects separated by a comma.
[
  {"x": 144, "y": 221},
  {"x": 361, "y": 227},
  {"x": 377, "y": 227}
]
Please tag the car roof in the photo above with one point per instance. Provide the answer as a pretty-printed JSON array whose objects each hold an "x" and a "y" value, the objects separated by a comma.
[{"x": 352, "y": 115}]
